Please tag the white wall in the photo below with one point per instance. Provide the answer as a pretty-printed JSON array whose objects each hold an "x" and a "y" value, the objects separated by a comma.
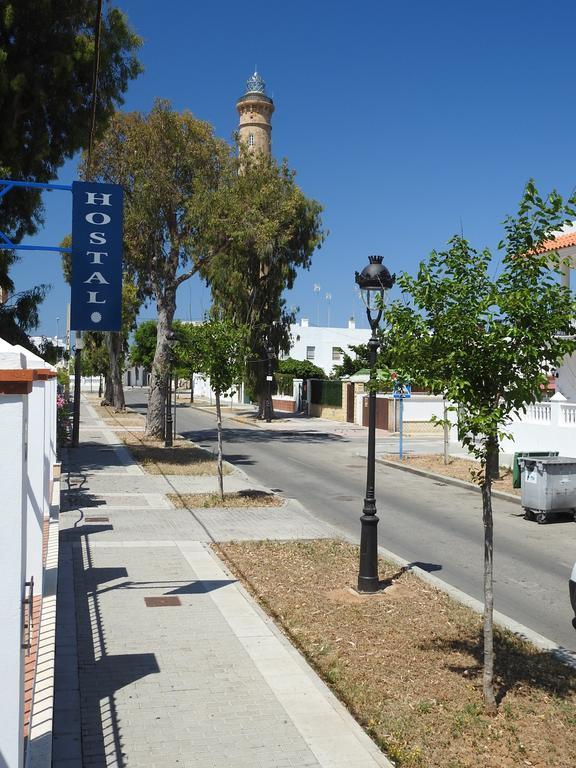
[
  {"x": 323, "y": 340},
  {"x": 423, "y": 407},
  {"x": 203, "y": 391},
  {"x": 545, "y": 427},
  {"x": 13, "y": 426},
  {"x": 566, "y": 381}
]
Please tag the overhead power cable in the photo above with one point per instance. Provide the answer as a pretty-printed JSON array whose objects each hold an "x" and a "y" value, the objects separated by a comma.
[{"x": 95, "y": 69}]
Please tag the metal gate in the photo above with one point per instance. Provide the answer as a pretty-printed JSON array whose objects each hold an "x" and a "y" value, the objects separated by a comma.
[
  {"x": 350, "y": 403},
  {"x": 381, "y": 412}
]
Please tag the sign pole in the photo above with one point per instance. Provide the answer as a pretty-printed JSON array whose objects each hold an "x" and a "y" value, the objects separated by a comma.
[{"x": 77, "y": 381}]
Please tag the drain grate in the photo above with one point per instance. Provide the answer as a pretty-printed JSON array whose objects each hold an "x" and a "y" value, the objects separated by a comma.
[
  {"x": 158, "y": 602},
  {"x": 97, "y": 519}
]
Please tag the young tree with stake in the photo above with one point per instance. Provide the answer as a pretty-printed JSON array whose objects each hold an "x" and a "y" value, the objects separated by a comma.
[
  {"x": 219, "y": 350},
  {"x": 487, "y": 343}
]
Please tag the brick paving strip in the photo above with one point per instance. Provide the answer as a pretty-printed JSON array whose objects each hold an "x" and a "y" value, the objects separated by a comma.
[{"x": 201, "y": 678}]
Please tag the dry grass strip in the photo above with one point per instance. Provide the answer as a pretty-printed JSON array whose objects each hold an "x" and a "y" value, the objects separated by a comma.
[
  {"x": 407, "y": 661},
  {"x": 183, "y": 458},
  {"x": 458, "y": 468},
  {"x": 247, "y": 498}
]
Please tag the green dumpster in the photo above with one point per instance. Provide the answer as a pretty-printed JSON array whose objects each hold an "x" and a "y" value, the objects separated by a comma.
[{"x": 517, "y": 474}]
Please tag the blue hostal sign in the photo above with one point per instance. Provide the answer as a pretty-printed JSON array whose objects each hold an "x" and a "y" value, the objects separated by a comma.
[{"x": 96, "y": 302}]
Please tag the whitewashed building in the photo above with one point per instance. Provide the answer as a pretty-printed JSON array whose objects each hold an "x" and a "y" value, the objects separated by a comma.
[{"x": 325, "y": 347}]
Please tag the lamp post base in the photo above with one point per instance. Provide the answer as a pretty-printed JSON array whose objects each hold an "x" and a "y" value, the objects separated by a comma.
[
  {"x": 368, "y": 580},
  {"x": 368, "y": 584}
]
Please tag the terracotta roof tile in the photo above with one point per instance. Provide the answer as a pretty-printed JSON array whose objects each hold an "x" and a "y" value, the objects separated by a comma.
[{"x": 561, "y": 241}]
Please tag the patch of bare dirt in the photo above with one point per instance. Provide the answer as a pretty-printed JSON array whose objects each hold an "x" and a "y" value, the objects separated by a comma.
[
  {"x": 247, "y": 498},
  {"x": 459, "y": 468},
  {"x": 183, "y": 458},
  {"x": 407, "y": 662}
]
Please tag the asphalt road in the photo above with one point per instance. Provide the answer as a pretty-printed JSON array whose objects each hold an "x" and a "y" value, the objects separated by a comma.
[{"x": 436, "y": 525}]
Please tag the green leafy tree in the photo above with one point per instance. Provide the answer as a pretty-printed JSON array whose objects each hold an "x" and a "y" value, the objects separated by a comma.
[
  {"x": 143, "y": 345},
  {"x": 95, "y": 360},
  {"x": 19, "y": 316},
  {"x": 186, "y": 352},
  {"x": 264, "y": 229},
  {"x": 486, "y": 343},
  {"x": 300, "y": 369},
  {"x": 289, "y": 369},
  {"x": 219, "y": 350},
  {"x": 167, "y": 163},
  {"x": 114, "y": 342},
  {"x": 351, "y": 365},
  {"x": 49, "y": 351},
  {"x": 46, "y": 61}
]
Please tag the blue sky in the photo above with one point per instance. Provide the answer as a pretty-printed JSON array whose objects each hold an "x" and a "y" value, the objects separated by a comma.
[{"x": 408, "y": 121}]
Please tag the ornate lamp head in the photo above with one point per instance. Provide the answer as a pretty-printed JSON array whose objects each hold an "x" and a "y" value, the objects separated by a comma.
[{"x": 374, "y": 282}]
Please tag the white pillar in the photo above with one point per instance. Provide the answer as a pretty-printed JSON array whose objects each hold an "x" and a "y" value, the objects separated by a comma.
[
  {"x": 39, "y": 464},
  {"x": 37, "y": 468}
]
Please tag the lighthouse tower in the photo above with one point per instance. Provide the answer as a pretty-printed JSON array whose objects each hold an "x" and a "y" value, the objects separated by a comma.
[{"x": 255, "y": 109}]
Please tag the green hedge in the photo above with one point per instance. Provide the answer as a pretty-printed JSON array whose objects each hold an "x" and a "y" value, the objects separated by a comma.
[
  {"x": 324, "y": 392},
  {"x": 284, "y": 383}
]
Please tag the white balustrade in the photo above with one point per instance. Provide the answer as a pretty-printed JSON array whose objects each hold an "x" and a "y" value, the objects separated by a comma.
[
  {"x": 568, "y": 412},
  {"x": 538, "y": 412}
]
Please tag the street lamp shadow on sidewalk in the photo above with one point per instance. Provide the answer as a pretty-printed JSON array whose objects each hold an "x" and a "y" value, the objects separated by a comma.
[
  {"x": 87, "y": 675},
  {"x": 374, "y": 282}
]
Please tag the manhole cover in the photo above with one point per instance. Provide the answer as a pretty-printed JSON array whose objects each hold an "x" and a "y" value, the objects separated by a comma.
[{"x": 158, "y": 602}]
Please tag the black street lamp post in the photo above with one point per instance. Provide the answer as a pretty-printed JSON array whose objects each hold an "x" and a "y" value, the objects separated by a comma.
[
  {"x": 168, "y": 425},
  {"x": 269, "y": 378},
  {"x": 374, "y": 282}
]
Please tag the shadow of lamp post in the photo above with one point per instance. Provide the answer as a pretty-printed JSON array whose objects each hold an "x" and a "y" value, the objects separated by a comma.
[
  {"x": 374, "y": 282},
  {"x": 168, "y": 426}
]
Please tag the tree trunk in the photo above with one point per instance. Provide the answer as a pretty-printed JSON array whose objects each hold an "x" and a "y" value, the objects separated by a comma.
[
  {"x": 219, "y": 424},
  {"x": 156, "y": 414},
  {"x": 114, "y": 345},
  {"x": 446, "y": 433},
  {"x": 262, "y": 406},
  {"x": 192, "y": 388},
  {"x": 107, "y": 389},
  {"x": 488, "y": 674},
  {"x": 493, "y": 459}
]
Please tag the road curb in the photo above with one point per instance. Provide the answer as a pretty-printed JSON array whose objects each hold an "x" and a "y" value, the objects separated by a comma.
[{"x": 448, "y": 480}]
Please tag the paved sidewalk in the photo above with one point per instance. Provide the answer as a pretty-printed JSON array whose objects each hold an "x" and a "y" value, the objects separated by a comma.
[{"x": 201, "y": 680}]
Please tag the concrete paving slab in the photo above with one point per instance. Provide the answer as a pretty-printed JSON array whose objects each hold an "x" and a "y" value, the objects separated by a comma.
[{"x": 206, "y": 680}]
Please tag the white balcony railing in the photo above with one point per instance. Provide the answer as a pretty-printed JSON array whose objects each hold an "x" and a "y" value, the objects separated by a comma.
[
  {"x": 568, "y": 415},
  {"x": 539, "y": 413}
]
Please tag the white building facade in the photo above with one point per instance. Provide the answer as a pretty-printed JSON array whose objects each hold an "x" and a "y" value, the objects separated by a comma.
[{"x": 325, "y": 347}]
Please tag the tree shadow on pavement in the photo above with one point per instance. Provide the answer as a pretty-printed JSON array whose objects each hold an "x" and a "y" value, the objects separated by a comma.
[
  {"x": 516, "y": 663},
  {"x": 262, "y": 436}
]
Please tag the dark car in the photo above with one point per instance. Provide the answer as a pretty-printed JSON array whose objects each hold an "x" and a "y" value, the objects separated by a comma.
[{"x": 572, "y": 584}]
